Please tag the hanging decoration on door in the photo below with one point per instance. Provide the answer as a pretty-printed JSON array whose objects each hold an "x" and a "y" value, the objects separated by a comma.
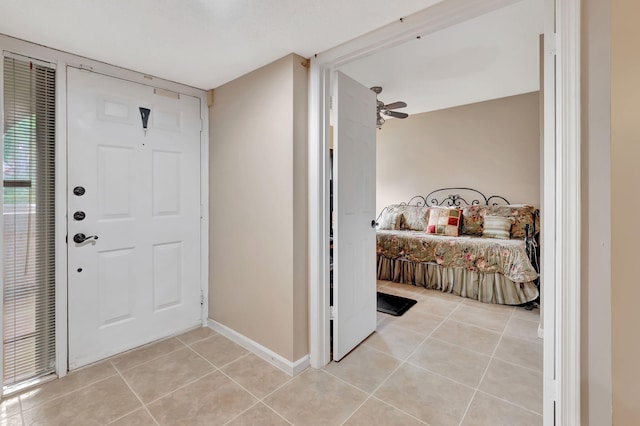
[{"x": 145, "y": 113}]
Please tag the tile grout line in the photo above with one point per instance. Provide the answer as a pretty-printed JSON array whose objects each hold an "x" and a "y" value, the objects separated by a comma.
[
  {"x": 402, "y": 411},
  {"x": 137, "y": 397},
  {"x": 122, "y": 370},
  {"x": 107, "y": 360},
  {"x": 153, "y": 401},
  {"x": 441, "y": 375},
  {"x": 257, "y": 403},
  {"x": 402, "y": 362},
  {"x": 222, "y": 366},
  {"x": 491, "y": 358},
  {"x": 241, "y": 413},
  {"x": 356, "y": 409},
  {"x": 509, "y": 402},
  {"x": 485, "y": 371},
  {"x": 462, "y": 347},
  {"x": 481, "y": 328},
  {"x": 291, "y": 379},
  {"x": 66, "y": 393},
  {"x": 516, "y": 365},
  {"x": 526, "y": 319},
  {"x": 199, "y": 340},
  {"x": 405, "y": 360},
  {"x": 259, "y": 400}
]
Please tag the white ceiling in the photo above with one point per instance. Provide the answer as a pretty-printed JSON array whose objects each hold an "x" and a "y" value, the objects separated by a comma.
[
  {"x": 202, "y": 43},
  {"x": 488, "y": 57}
]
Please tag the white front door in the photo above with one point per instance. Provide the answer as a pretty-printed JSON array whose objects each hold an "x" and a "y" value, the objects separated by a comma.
[
  {"x": 138, "y": 193},
  {"x": 354, "y": 274}
]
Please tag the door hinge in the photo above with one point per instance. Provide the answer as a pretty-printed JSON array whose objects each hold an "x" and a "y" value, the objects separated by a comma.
[
  {"x": 551, "y": 46},
  {"x": 332, "y": 312},
  {"x": 201, "y": 297},
  {"x": 551, "y": 389}
]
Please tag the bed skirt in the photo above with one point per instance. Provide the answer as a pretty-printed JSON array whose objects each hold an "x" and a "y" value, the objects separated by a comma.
[{"x": 487, "y": 288}]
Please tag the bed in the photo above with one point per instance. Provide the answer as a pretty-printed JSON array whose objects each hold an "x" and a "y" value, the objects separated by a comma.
[{"x": 471, "y": 261}]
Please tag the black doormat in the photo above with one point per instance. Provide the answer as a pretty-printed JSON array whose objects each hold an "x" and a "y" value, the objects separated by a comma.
[{"x": 394, "y": 305}]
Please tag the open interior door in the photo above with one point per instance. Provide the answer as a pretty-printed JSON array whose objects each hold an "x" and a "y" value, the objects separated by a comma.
[{"x": 354, "y": 173}]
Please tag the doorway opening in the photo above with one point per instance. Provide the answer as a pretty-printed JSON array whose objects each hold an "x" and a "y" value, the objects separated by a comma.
[{"x": 561, "y": 204}]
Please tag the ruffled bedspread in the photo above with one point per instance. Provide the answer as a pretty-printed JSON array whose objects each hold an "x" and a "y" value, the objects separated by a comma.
[{"x": 485, "y": 255}]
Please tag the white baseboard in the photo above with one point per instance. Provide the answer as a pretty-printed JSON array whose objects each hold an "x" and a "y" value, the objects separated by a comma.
[
  {"x": 540, "y": 332},
  {"x": 292, "y": 368}
]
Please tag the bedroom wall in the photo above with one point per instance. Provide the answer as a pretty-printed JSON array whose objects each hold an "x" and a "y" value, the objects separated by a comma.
[
  {"x": 492, "y": 146},
  {"x": 625, "y": 175},
  {"x": 258, "y": 214}
]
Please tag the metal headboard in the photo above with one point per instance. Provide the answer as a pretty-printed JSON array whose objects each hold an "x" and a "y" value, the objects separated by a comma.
[{"x": 456, "y": 197}]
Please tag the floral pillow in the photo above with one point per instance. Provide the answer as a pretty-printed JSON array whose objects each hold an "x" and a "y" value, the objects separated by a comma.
[
  {"x": 444, "y": 221},
  {"x": 473, "y": 218},
  {"x": 415, "y": 218},
  {"x": 390, "y": 219}
]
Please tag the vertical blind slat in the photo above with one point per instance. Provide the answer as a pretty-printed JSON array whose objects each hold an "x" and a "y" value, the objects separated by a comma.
[{"x": 28, "y": 216}]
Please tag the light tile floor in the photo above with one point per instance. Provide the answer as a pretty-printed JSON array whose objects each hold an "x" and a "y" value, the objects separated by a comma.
[{"x": 447, "y": 361}]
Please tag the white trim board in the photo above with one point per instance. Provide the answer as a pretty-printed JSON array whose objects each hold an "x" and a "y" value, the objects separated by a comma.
[
  {"x": 567, "y": 212},
  {"x": 561, "y": 187},
  {"x": 292, "y": 368}
]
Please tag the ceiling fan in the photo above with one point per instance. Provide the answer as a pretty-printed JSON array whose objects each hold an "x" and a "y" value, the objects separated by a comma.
[{"x": 385, "y": 110}]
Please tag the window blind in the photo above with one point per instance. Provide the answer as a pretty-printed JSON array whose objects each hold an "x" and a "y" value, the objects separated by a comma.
[{"x": 28, "y": 335}]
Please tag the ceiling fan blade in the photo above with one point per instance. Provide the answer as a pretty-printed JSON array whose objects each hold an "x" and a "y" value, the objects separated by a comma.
[
  {"x": 395, "y": 105},
  {"x": 395, "y": 114}
]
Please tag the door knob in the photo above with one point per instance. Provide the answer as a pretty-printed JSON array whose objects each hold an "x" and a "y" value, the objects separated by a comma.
[
  {"x": 80, "y": 238},
  {"x": 374, "y": 223}
]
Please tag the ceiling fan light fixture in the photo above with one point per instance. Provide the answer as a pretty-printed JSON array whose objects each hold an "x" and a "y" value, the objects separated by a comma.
[{"x": 382, "y": 109}]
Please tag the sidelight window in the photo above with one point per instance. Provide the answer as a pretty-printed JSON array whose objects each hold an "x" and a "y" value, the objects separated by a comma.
[{"x": 28, "y": 256}]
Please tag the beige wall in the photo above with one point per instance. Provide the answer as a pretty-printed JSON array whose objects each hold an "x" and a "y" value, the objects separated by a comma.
[
  {"x": 258, "y": 214},
  {"x": 492, "y": 146},
  {"x": 595, "y": 331},
  {"x": 625, "y": 177}
]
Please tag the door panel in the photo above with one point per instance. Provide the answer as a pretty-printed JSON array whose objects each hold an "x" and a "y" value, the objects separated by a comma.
[
  {"x": 354, "y": 280},
  {"x": 167, "y": 275},
  {"x": 115, "y": 285},
  {"x": 115, "y": 195},
  {"x": 166, "y": 183},
  {"x": 140, "y": 280}
]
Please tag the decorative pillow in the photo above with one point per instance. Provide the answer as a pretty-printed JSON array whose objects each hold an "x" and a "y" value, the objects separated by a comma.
[
  {"x": 497, "y": 227},
  {"x": 444, "y": 221},
  {"x": 390, "y": 220},
  {"x": 415, "y": 218},
  {"x": 472, "y": 219},
  {"x": 521, "y": 215}
]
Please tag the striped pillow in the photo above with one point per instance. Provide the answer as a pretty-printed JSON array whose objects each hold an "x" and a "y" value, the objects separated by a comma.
[{"x": 497, "y": 227}]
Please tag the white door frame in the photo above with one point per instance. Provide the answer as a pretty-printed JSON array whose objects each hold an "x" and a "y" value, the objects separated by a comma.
[
  {"x": 561, "y": 228},
  {"x": 61, "y": 60}
]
